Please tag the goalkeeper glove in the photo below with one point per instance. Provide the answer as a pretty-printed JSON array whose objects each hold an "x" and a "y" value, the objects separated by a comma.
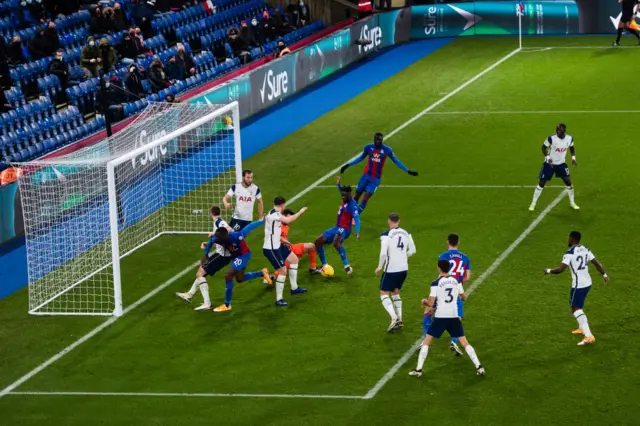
[
  {"x": 343, "y": 168},
  {"x": 412, "y": 173}
]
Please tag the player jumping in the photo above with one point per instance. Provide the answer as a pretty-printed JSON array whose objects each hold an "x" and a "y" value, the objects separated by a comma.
[
  {"x": 240, "y": 255},
  {"x": 347, "y": 213},
  {"x": 445, "y": 291},
  {"x": 299, "y": 249},
  {"x": 554, "y": 150},
  {"x": 215, "y": 262},
  {"x": 377, "y": 154},
  {"x": 396, "y": 246},
  {"x": 276, "y": 252},
  {"x": 627, "y": 20},
  {"x": 578, "y": 258},
  {"x": 246, "y": 194}
]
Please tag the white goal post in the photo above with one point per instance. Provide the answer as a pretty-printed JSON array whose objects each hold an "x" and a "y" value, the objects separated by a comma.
[{"x": 85, "y": 211}]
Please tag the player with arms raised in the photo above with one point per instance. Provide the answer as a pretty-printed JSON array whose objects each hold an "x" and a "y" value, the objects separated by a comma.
[
  {"x": 235, "y": 243},
  {"x": 445, "y": 291},
  {"x": 376, "y": 154},
  {"x": 277, "y": 253},
  {"x": 246, "y": 194},
  {"x": 348, "y": 213},
  {"x": 215, "y": 262},
  {"x": 554, "y": 150},
  {"x": 396, "y": 246},
  {"x": 577, "y": 259}
]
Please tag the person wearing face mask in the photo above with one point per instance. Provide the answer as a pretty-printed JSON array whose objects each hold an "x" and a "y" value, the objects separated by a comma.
[
  {"x": 256, "y": 32},
  {"x": 267, "y": 27},
  {"x": 108, "y": 55},
  {"x": 182, "y": 65},
  {"x": 108, "y": 23},
  {"x": 305, "y": 13},
  {"x": 157, "y": 77},
  {"x": 15, "y": 54},
  {"x": 133, "y": 82},
  {"x": 59, "y": 68},
  {"x": 282, "y": 49},
  {"x": 247, "y": 35},
  {"x": 128, "y": 49},
  {"x": 90, "y": 58},
  {"x": 95, "y": 24},
  {"x": 238, "y": 45},
  {"x": 120, "y": 19}
]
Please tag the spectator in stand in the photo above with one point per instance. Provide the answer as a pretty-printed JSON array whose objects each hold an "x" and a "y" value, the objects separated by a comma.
[
  {"x": 108, "y": 55},
  {"x": 267, "y": 27},
  {"x": 45, "y": 43},
  {"x": 116, "y": 95},
  {"x": 128, "y": 48},
  {"x": 15, "y": 54},
  {"x": 31, "y": 12},
  {"x": 238, "y": 46},
  {"x": 293, "y": 14},
  {"x": 157, "y": 77},
  {"x": 280, "y": 23},
  {"x": 282, "y": 49},
  {"x": 134, "y": 82},
  {"x": 60, "y": 69},
  {"x": 139, "y": 39},
  {"x": 305, "y": 13},
  {"x": 144, "y": 14},
  {"x": 108, "y": 23},
  {"x": 247, "y": 35},
  {"x": 90, "y": 58},
  {"x": 182, "y": 65},
  {"x": 256, "y": 32},
  {"x": 96, "y": 21},
  {"x": 120, "y": 18}
]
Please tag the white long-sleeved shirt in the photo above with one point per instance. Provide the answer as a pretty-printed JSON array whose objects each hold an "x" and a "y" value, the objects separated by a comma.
[{"x": 396, "y": 246}]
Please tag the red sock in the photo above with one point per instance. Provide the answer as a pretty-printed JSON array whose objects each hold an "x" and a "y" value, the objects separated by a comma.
[{"x": 312, "y": 259}]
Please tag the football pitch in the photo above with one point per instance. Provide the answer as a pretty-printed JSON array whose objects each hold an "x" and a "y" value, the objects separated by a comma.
[{"x": 471, "y": 118}]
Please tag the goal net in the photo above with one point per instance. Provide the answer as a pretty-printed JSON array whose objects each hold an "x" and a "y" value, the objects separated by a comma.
[{"x": 85, "y": 211}]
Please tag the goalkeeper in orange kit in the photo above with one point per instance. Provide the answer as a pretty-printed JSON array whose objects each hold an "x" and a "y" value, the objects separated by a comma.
[{"x": 299, "y": 249}]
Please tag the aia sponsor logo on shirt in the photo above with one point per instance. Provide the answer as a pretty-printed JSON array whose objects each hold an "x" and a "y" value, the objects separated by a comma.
[
  {"x": 561, "y": 149},
  {"x": 248, "y": 199}
]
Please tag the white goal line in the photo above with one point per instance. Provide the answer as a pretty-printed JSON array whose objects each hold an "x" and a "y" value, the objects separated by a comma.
[
  {"x": 490, "y": 112},
  {"x": 187, "y": 395},
  {"x": 9, "y": 390},
  {"x": 454, "y": 186},
  {"x": 530, "y": 49}
]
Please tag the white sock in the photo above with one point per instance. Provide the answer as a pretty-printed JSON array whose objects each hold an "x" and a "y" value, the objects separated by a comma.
[
  {"x": 293, "y": 276},
  {"x": 195, "y": 285},
  {"x": 472, "y": 354},
  {"x": 397, "y": 304},
  {"x": 536, "y": 194},
  {"x": 422, "y": 357},
  {"x": 571, "y": 194},
  {"x": 582, "y": 322},
  {"x": 388, "y": 306},
  {"x": 280, "y": 286},
  {"x": 204, "y": 289}
]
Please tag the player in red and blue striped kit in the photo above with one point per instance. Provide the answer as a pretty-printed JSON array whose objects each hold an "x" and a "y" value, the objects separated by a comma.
[
  {"x": 376, "y": 154},
  {"x": 348, "y": 214}
]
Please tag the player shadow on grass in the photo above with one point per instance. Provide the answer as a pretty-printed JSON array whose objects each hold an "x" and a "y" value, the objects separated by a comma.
[{"x": 599, "y": 53}]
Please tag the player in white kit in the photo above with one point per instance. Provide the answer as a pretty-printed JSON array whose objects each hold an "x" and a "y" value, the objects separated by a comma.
[
  {"x": 216, "y": 261},
  {"x": 554, "y": 150},
  {"x": 277, "y": 253},
  {"x": 246, "y": 194},
  {"x": 577, "y": 259},
  {"x": 445, "y": 291},
  {"x": 396, "y": 246}
]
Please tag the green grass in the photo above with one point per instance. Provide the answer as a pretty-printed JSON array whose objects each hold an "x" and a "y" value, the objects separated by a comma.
[{"x": 332, "y": 341}]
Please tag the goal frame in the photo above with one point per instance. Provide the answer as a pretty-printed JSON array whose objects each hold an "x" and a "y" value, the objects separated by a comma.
[{"x": 233, "y": 109}]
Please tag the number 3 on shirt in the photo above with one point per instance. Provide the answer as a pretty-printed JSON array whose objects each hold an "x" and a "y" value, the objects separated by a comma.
[{"x": 449, "y": 298}]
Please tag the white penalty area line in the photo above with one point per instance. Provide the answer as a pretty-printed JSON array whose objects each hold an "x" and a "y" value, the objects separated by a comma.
[
  {"x": 496, "y": 263},
  {"x": 188, "y": 395},
  {"x": 546, "y": 48},
  {"x": 489, "y": 112},
  {"x": 454, "y": 186},
  {"x": 9, "y": 389}
]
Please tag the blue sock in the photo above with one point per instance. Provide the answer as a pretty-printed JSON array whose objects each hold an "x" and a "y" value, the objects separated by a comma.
[
  {"x": 363, "y": 204},
  {"x": 426, "y": 322},
  {"x": 228, "y": 293},
  {"x": 323, "y": 256},
  {"x": 248, "y": 276},
  {"x": 454, "y": 340},
  {"x": 343, "y": 255}
]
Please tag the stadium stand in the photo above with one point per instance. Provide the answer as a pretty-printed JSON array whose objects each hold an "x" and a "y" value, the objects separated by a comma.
[{"x": 42, "y": 114}]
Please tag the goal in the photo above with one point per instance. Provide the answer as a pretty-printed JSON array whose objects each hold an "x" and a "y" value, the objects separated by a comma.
[{"x": 85, "y": 211}]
